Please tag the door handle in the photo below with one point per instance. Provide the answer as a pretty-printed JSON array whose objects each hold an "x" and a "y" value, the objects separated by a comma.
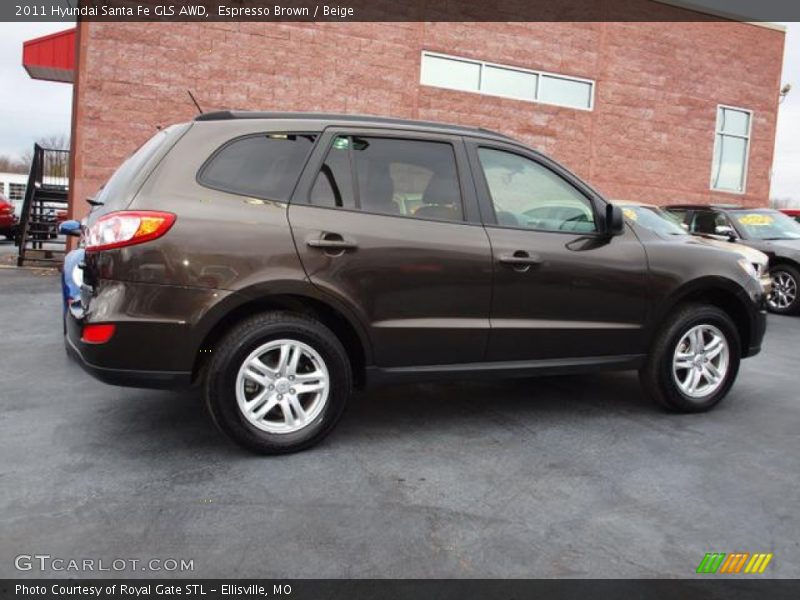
[
  {"x": 332, "y": 241},
  {"x": 332, "y": 244},
  {"x": 520, "y": 258}
]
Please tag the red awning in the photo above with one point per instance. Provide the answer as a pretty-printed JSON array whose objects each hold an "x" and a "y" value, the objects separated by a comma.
[{"x": 51, "y": 57}]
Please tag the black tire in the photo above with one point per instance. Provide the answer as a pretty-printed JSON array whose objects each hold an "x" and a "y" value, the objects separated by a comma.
[
  {"x": 794, "y": 275},
  {"x": 657, "y": 376},
  {"x": 238, "y": 344}
]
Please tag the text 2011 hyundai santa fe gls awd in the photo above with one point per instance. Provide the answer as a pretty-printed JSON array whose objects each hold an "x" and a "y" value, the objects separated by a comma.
[{"x": 281, "y": 259}]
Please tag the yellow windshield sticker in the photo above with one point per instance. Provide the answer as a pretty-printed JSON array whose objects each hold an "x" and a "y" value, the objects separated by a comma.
[
  {"x": 631, "y": 214},
  {"x": 756, "y": 219}
]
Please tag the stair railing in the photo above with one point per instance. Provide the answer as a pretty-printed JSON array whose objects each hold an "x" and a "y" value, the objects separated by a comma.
[{"x": 47, "y": 182}]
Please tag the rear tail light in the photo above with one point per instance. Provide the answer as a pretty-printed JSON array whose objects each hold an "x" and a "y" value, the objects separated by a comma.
[
  {"x": 126, "y": 228},
  {"x": 98, "y": 334}
]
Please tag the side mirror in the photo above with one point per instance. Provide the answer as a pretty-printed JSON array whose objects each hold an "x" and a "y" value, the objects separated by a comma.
[
  {"x": 725, "y": 231},
  {"x": 72, "y": 228},
  {"x": 615, "y": 223}
]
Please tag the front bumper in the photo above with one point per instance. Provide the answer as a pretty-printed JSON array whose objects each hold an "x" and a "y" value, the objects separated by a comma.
[
  {"x": 758, "y": 328},
  {"x": 155, "y": 342},
  {"x": 754, "y": 300},
  {"x": 766, "y": 283}
]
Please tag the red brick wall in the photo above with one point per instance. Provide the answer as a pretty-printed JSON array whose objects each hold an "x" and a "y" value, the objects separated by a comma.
[{"x": 650, "y": 136}]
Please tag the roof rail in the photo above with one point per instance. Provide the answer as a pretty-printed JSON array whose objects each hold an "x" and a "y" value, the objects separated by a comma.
[{"x": 227, "y": 115}]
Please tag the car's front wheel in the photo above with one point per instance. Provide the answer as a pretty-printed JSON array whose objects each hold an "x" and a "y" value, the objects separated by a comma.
[
  {"x": 784, "y": 298},
  {"x": 278, "y": 382},
  {"x": 694, "y": 359}
]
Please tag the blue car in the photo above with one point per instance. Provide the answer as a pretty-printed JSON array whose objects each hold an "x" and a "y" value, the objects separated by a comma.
[{"x": 72, "y": 277}]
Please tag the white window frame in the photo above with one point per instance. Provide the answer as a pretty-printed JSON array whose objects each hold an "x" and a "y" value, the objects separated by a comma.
[
  {"x": 747, "y": 138},
  {"x": 17, "y": 185},
  {"x": 539, "y": 74}
]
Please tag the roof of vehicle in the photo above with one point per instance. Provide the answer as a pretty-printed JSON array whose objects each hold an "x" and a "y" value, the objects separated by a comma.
[
  {"x": 621, "y": 202},
  {"x": 700, "y": 206},
  {"x": 333, "y": 118}
]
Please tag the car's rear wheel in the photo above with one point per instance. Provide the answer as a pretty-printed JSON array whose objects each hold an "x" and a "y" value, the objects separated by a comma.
[
  {"x": 278, "y": 383},
  {"x": 694, "y": 360},
  {"x": 784, "y": 298}
]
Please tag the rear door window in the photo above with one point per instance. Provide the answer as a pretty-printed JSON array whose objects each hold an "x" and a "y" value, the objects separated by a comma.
[
  {"x": 263, "y": 166},
  {"x": 333, "y": 187},
  {"x": 402, "y": 177}
]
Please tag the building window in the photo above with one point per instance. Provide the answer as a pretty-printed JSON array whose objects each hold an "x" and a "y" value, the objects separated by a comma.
[
  {"x": 451, "y": 73},
  {"x": 16, "y": 191},
  {"x": 469, "y": 75},
  {"x": 500, "y": 81},
  {"x": 731, "y": 149},
  {"x": 565, "y": 91}
]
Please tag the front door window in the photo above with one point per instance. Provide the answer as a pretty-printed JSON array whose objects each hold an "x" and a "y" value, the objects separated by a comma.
[{"x": 528, "y": 195}]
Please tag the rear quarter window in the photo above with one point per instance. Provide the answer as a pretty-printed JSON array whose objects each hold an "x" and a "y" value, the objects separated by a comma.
[
  {"x": 119, "y": 189},
  {"x": 265, "y": 165}
]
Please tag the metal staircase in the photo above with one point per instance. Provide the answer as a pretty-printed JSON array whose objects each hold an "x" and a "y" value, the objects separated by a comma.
[{"x": 45, "y": 202}]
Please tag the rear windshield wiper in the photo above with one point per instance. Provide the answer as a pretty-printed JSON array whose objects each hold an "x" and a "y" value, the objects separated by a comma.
[{"x": 93, "y": 201}]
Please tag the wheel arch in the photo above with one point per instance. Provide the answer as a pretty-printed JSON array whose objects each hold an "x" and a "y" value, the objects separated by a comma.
[
  {"x": 307, "y": 301},
  {"x": 780, "y": 261},
  {"x": 723, "y": 293}
]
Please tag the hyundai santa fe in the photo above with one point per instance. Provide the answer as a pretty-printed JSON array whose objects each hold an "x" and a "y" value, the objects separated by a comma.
[{"x": 279, "y": 261}]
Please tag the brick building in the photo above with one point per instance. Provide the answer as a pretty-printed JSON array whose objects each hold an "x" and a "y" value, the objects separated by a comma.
[{"x": 657, "y": 112}]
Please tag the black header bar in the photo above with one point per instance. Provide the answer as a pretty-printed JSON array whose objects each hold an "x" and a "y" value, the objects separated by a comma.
[
  {"x": 708, "y": 588},
  {"x": 398, "y": 10}
]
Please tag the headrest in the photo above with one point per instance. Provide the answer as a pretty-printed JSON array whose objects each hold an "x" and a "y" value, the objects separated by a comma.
[
  {"x": 378, "y": 193},
  {"x": 442, "y": 189}
]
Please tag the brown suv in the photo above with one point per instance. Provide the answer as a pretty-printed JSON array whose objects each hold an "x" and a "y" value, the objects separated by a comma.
[{"x": 279, "y": 260}]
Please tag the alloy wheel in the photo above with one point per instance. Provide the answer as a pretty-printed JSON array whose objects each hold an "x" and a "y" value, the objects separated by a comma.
[
  {"x": 784, "y": 291},
  {"x": 701, "y": 361},
  {"x": 282, "y": 386}
]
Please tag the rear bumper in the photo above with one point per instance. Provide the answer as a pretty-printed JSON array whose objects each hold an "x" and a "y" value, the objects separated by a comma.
[
  {"x": 155, "y": 343},
  {"x": 163, "y": 380},
  {"x": 8, "y": 227}
]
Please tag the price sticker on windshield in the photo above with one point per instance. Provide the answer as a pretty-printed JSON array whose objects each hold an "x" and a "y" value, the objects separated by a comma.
[
  {"x": 631, "y": 214},
  {"x": 756, "y": 219}
]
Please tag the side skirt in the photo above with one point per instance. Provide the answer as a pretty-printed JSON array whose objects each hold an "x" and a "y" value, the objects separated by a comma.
[{"x": 499, "y": 370}]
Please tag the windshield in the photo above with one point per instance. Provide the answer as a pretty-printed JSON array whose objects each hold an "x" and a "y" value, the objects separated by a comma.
[
  {"x": 766, "y": 225},
  {"x": 654, "y": 219}
]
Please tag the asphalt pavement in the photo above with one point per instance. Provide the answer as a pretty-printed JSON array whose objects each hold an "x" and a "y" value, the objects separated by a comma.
[{"x": 552, "y": 477}]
